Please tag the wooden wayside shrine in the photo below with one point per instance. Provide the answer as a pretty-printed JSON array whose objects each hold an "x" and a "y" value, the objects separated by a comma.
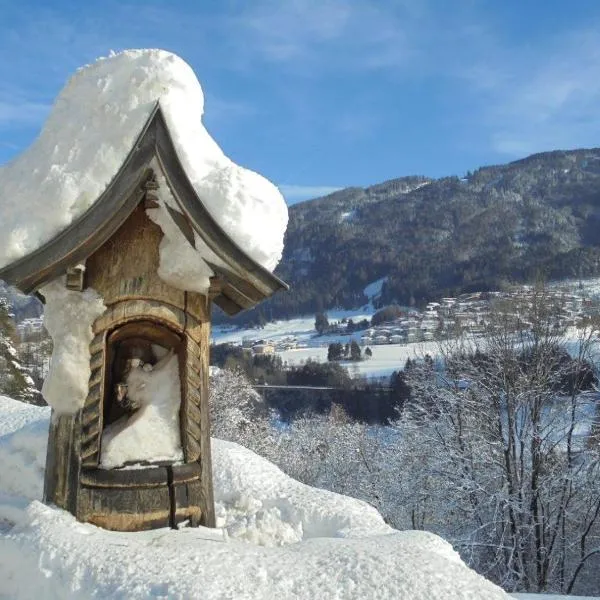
[{"x": 114, "y": 249}]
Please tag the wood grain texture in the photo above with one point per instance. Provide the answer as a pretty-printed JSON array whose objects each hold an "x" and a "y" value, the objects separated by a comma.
[
  {"x": 141, "y": 307},
  {"x": 126, "y": 266},
  {"x": 61, "y": 478}
]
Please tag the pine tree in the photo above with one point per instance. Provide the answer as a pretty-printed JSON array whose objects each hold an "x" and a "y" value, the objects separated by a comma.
[
  {"x": 321, "y": 323},
  {"x": 355, "y": 351},
  {"x": 15, "y": 380},
  {"x": 335, "y": 351}
]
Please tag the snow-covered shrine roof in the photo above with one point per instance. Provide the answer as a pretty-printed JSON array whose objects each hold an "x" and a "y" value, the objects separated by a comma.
[
  {"x": 244, "y": 282},
  {"x": 120, "y": 127}
]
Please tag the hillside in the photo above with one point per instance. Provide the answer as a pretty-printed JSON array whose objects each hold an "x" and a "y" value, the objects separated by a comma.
[
  {"x": 22, "y": 307},
  {"x": 498, "y": 225}
]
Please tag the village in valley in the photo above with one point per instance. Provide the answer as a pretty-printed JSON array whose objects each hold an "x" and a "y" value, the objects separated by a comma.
[{"x": 406, "y": 328}]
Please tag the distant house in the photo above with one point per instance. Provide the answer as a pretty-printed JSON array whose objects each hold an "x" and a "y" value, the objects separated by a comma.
[
  {"x": 29, "y": 326},
  {"x": 263, "y": 349},
  {"x": 287, "y": 345},
  {"x": 411, "y": 334},
  {"x": 428, "y": 325},
  {"x": 248, "y": 342}
]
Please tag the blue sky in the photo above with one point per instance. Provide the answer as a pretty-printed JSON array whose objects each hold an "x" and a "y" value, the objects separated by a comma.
[{"x": 320, "y": 94}]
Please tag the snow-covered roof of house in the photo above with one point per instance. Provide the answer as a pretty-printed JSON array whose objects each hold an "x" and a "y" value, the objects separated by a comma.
[{"x": 118, "y": 123}]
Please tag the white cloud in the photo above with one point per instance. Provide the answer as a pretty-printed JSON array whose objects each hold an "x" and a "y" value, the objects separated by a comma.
[
  {"x": 297, "y": 193},
  {"x": 321, "y": 35},
  {"x": 540, "y": 98}
]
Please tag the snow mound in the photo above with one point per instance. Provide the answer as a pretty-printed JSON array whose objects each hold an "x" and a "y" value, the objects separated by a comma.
[
  {"x": 23, "y": 440},
  {"x": 373, "y": 290},
  {"x": 335, "y": 547},
  {"x": 90, "y": 131},
  {"x": 24, "y": 459},
  {"x": 15, "y": 415},
  {"x": 256, "y": 501}
]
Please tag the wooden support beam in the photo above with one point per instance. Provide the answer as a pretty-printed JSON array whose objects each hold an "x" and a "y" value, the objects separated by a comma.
[
  {"x": 76, "y": 277},
  {"x": 150, "y": 197}
]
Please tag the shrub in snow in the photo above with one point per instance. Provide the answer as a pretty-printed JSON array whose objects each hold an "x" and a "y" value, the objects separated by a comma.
[
  {"x": 237, "y": 412},
  {"x": 325, "y": 451}
]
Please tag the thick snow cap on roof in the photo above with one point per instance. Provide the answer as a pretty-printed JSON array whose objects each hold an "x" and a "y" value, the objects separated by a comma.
[{"x": 92, "y": 128}]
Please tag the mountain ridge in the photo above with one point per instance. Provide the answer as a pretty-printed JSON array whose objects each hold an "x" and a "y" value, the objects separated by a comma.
[{"x": 496, "y": 226}]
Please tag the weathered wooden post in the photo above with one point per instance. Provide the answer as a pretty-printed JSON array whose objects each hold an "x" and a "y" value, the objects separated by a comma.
[{"x": 97, "y": 468}]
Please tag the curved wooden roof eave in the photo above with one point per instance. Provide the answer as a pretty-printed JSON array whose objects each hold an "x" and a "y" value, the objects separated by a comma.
[{"x": 245, "y": 282}]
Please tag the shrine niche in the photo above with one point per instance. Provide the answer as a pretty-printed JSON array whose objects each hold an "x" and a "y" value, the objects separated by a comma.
[{"x": 136, "y": 454}]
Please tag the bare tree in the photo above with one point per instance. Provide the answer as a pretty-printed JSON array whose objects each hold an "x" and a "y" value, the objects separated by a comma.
[
  {"x": 499, "y": 434},
  {"x": 328, "y": 451},
  {"x": 237, "y": 412}
]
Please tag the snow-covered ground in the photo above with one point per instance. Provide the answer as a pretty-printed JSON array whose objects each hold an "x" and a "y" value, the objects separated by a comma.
[
  {"x": 277, "y": 538},
  {"x": 552, "y": 597},
  {"x": 589, "y": 287},
  {"x": 373, "y": 290},
  {"x": 302, "y": 328},
  {"x": 385, "y": 360}
]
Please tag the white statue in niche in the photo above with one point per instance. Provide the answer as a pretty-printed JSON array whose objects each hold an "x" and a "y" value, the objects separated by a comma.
[{"x": 151, "y": 433}]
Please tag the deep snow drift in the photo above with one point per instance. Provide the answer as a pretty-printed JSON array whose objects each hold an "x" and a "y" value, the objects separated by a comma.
[
  {"x": 277, "y": 539},
  {"x": 92, "y": 127}
]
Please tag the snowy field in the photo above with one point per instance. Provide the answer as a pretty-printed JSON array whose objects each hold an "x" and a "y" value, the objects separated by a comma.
[
  {"x": 302, "y": 328},
  {"x": 385, "y": 360},
  {"x": 276, "y": 538}
]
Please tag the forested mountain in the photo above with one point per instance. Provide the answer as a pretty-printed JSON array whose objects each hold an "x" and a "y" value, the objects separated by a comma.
[
  {"x": 430, "y": 238},
  {"x": 498, "y": 225},
  {"x": 21, "y": 306}
]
